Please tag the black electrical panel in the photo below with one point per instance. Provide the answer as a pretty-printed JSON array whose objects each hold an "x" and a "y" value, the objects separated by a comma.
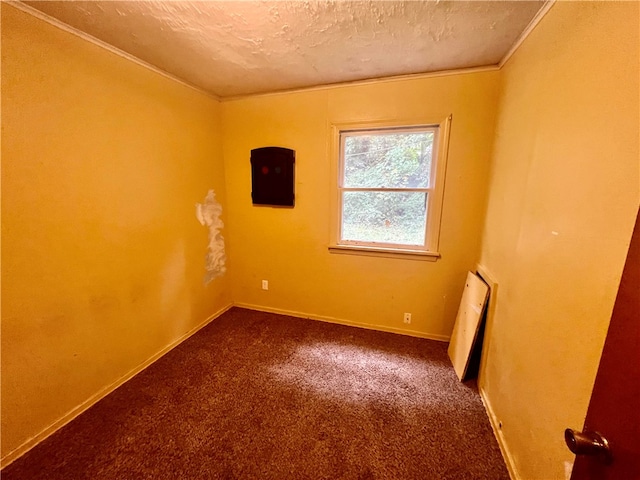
[{"x": 272, "y": 176}]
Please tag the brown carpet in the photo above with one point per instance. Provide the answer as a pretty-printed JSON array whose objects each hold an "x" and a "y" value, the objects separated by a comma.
[{"x": 262, "y": 396}]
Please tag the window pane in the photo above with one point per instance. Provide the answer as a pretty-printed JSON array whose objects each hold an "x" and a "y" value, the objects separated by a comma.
[
  {"x": 384, "y": 217},
  {"x": 391, "y": 160}
]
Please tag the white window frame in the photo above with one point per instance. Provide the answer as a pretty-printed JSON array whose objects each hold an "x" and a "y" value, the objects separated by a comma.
[{"x": 434, "y": 191}]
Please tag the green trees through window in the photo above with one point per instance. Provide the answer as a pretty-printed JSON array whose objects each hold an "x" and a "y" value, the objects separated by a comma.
[{"x": 385, "y": 184}]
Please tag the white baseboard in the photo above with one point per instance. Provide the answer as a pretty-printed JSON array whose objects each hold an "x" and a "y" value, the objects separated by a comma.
[
  {"x": 292, "y": 313},
  {"x": 73, "y": 413},
  {"x": 497, "y": 431},
  {"x": 76, "y": 411}
]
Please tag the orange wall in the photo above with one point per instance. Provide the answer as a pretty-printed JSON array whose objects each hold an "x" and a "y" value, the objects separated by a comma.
[
  {"x": 564, "y": 191},
  {"x": 102, "y": 255},
  {"x": 288, "y": 247},
  {"x": 103, "y": 259}
]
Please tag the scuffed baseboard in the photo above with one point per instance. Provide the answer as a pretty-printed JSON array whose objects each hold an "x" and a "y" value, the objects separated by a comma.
[
  {"x": 292, "y": 313},
  {"x": 497, "y": 431},
  {"x": 73, "y": 413}
]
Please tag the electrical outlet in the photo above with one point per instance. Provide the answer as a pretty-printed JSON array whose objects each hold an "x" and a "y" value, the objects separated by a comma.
[
  {"x": 265, "y": 284},
  {"x": 407, "y": 318}
]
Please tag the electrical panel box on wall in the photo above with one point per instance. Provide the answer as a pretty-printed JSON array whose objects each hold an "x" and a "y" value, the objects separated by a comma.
[{"x": 272, "y": 176}]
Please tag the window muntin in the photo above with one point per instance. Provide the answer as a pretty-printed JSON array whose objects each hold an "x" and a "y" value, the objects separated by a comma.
[{"x": 389, "y": 188}]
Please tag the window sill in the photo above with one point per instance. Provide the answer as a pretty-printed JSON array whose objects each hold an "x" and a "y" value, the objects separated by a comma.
[{"x": 384, "y": 252}]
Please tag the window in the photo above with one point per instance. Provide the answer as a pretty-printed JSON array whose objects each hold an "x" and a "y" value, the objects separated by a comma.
[{"x": 390, "y": 182}]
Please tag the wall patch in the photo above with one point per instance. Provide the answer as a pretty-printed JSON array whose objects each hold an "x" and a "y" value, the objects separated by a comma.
[{"x": 209, "y": 214}]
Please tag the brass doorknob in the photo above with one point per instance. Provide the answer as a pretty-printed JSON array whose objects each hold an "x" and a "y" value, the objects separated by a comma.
[{"x": 588, "y": 443}]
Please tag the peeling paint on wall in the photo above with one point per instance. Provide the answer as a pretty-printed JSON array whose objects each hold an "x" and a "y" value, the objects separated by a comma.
[{"x": 209, "y": 214}]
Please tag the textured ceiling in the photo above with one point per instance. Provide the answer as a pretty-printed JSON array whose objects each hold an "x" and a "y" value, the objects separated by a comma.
[{"x": 244, "y": 47}]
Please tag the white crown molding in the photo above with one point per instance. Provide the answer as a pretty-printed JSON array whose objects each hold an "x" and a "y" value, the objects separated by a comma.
[
  {"x": 463, "y": 71},
  {"x": 110, "y": 48},
  {"x": 527, "y": 31},
  {"x": 369, "y": 81}
]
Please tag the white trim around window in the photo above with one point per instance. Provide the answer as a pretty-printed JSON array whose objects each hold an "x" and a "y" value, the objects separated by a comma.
[{"x": 427, "y": 247}]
